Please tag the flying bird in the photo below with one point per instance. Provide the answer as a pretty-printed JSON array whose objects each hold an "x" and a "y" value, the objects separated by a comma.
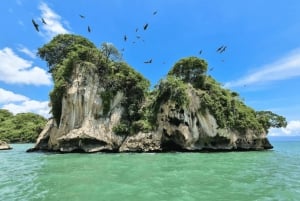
[
  {"x": 125, "y": 38},
  {"x": 136, "y": 30},
  {"x": 43, "y": 21},
  {"x": 36, "y": 26},
  {"x": 223, "y": 49},
  {"x": 220, "y": 48},
  {"x": 200, "y": 52},
  {"x": 155, "y": 12},
  {"x": 138, "y": 37},
  {"x": 148, "y": 62},
  {"x": 81, "y": 16},
  {"x": 89, "y": 29},
  {"x": 145, "y": 26}
]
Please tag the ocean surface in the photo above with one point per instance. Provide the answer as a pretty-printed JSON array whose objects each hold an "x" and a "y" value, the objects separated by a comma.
[{"x": 266, "y": 175}]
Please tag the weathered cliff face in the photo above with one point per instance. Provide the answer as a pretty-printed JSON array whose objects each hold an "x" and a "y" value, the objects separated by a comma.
[
  {"x": 193, "y": 129},
  {"x": 99, "y": 104},
  {"x": 4, "y": 146},
  {"x": 84, "y": 127}
]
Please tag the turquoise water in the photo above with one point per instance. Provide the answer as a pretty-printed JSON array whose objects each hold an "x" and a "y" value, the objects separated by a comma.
[{"x": 267, "y": 175}]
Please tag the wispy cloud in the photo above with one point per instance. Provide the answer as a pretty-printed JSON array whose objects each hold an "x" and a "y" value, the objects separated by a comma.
[
  {"x": 19, "y": 2},
  {"x": 17, "y": 103},
  {"x": 292, "y": 129},
  {"x": 16, "y": 70},
  {"x": 284, "y": 68},
  {"x": 53, "y": 21},
  {"x": 8, "y": 96},
  {"x": 26, "y": 51}
]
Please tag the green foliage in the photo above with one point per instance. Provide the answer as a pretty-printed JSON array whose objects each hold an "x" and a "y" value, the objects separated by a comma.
[
  {"x": 106, "y": 97},
  {"x": 121, "y": 129},
  {"x": 60, "y": 47},
  {"x": 191, "y": 70},
  {"x": 172, "y": 88},
  {"x": 142, "y": 125},
  {"x": 5, "y": 114},
  {"x": 23, "y": 127},
  {"x": 134, "y": 86},
  {"x": 268, "y": 119}
]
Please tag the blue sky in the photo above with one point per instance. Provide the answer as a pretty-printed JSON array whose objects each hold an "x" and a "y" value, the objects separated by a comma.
[{"x": 261, "y": 61}]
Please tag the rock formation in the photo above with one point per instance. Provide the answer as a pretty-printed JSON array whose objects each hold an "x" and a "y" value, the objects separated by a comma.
[
  {"x": 4, "y": 146},
  {"x": 178, "y": 115}
]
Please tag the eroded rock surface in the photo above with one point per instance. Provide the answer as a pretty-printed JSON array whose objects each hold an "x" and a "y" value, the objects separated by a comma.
[
  {"x": 99, "y": 103},
  {"x": 85, "y": 128}
]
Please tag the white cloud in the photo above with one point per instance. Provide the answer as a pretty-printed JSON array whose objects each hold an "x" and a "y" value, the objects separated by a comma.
[
  {"x": 53, "y": 24},
  {"x": 38, "y": 107},
  {"x": 292, "y": 129},
  {"x": 284, "y": 68},
  {"x": 8, "y": 96},
  {"x": 14, "y": 69},
  {"x": 17, "y": 103},
  {"x": 26, "y": 51}
]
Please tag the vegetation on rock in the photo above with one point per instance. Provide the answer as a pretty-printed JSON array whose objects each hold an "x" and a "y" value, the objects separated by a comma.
[
  {"x": 141, "y": 105},
  {"x": 65, "y": 51},
  {"x": 20, "y": 128}
]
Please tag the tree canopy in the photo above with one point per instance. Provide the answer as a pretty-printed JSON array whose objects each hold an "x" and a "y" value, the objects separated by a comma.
[
  {"x": 20, "y": 128},
  {"x": 191, "y": 70}
]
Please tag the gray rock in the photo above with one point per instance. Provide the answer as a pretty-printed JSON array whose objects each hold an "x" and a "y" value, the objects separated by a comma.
[{"x": 4, "y": 146}]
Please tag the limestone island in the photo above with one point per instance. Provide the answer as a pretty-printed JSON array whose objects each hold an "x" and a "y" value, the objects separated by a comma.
[{"x": 100, "y": 104}]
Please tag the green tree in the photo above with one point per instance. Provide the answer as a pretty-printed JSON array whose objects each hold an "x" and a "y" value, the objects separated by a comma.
[
  {"x": 60, "y": 47},
  {"x": 270, "y": 120},
  {"x": 5, "y": 114},
  {"x": 191, "y": 70},
  {"x": 22, "y": 127},
  {"x": 110, "y": 52}
]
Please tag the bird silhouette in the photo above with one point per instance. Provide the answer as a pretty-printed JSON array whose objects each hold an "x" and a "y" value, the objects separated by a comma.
[
  {"x": 145, "y": 26},
  {"x": 200, "y": 52},
  {"x": 223, "y": 49},
  {"x": 125, "y": 38},
  {"x": 138, "y": 37},
  {"x": 89, "y": 29},
  {"x": 43, "y": 21},
  {"x": 136, "y": 30},
  {"x": 155, "y": 12},
  {"x": 220, "y": 48},
  {"x": 81, "y": 16},
  {"x": 36, "y": 26},
  {"x": 148, "y": 62}
]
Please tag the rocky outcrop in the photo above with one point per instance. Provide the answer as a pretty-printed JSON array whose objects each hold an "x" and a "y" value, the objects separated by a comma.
[
  {"x": 4, "y": 146},
  {"x": 103, "y": 105},
  {"x": 85, "y": 127}
]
